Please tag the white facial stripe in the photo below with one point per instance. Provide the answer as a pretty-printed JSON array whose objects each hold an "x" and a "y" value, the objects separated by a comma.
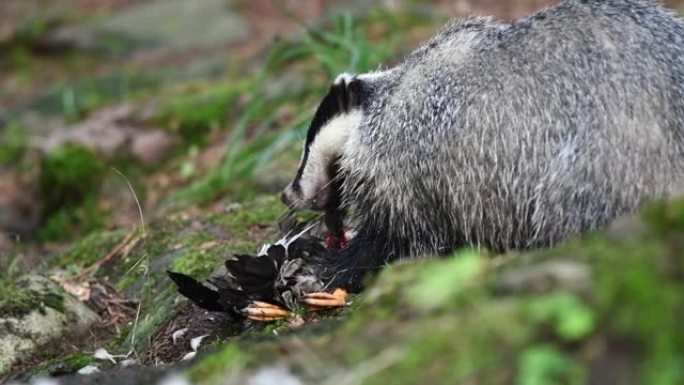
[
  {"x": 326, "y": 146},
  {"x": 347, "y": 77},
  {"x": 368, "y": 76}
]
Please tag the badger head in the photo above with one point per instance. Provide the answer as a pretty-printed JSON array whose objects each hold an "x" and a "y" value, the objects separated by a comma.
[{"x": 315, "y": 186}]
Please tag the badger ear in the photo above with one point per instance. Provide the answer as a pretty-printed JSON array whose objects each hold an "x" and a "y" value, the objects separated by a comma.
[
  {"x": 345, "y": 94},
  {"x": 348, "y": 91}
]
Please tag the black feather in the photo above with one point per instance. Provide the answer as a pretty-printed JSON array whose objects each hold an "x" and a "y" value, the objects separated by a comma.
[
  {"x": 189, "y": 287},
  {"x": 249, "y": 272}
]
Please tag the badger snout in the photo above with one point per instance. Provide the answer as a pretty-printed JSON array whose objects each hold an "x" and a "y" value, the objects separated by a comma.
[
  {"x": 288, "y": 197},
  {"x": 299, "y": 201},
  {"x": 293, "y": 200}
]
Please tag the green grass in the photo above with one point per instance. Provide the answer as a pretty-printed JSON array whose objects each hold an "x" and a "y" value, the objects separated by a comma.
[
  {"x": 258, "y": 134},
  {"x": 199, "y": 108}
]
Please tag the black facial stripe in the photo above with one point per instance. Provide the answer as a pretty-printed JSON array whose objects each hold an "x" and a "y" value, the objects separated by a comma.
[
  {"x": 296, "y": 186},
  {"x": 333, "y": 171},
  {"x": 341, "y": 98}
]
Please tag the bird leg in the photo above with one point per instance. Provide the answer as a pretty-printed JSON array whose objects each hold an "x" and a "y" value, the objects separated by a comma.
[
  {"x": 322, "y": 301},
  {"x": 265, "y": 312}
]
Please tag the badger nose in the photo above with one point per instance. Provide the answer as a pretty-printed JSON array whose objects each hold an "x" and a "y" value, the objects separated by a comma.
[{"x": 283, "y": 197}]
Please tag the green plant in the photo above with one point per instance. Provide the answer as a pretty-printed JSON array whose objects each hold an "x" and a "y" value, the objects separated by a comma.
[
  {"x": 195, "y": 112},
  {"x": 69, "y": 185},
  {"x": 344, "y": 45}
]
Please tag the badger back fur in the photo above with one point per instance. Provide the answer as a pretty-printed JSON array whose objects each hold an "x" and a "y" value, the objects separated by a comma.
[{"x": 515, "y": 136}]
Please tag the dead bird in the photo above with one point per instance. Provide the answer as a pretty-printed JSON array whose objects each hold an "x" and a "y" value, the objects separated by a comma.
[{"x": 270, "y": 285}]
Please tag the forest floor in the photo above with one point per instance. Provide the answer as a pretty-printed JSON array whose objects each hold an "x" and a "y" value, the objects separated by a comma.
[{"x": 142, "y": 136}]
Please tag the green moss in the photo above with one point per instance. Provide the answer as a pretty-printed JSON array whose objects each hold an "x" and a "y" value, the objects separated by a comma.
[
  {"x": 54, "y": 301},
  {"x": 88, "y": 250},
  {"x": 17, "y": 301},
  {"x": 66, "y": 365},
  {"x": 263, "y": 213},
  {"x": 198, "y": 263},
  {"x": 69, "y": 185},
  {"x": 228, "y": 359},
  {"x": 69, "y": 174},
  {"x": 638, "y": 288},
  {"x": 69, "y": 223}
]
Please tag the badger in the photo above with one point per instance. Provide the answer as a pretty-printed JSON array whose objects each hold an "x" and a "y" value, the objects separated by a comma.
[{"x": 500, "y": 136}]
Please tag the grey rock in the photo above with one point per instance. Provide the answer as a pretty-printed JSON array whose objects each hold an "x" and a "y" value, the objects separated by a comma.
[
  {"x": 110, "y": 131},
  {"x": 151, "y": 146},
  {"x": 104, "y": 131}
]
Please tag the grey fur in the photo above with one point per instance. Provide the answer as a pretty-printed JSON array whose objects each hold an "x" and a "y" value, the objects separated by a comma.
[{"x": 520, "y": 135}]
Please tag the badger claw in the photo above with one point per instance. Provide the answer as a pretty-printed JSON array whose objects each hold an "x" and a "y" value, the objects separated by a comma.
[
  {"x": 322, "y": 301},
  {"x": 265, "y": 312}
]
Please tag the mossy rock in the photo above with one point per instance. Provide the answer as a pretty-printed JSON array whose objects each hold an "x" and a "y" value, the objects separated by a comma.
[
  {"x": 25, "y": 296},
  {"x": 35, "y": 311}
]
